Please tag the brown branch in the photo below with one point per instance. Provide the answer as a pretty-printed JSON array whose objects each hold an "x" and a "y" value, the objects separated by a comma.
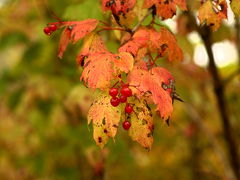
[
  {"x": 219, "y": 91},
  {"x": 222, "y": 104}
]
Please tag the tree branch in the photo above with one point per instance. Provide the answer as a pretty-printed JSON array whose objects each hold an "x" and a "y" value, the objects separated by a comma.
[{"x": 219, "y": 91}]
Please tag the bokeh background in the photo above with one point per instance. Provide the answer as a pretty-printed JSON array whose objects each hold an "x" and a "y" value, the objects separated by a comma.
[{"x": 43, "y": 105}]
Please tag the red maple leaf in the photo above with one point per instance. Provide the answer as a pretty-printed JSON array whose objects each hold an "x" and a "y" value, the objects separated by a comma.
[
  {"x": 152, "y": 81},
  {"x": 165, "y": 8},
  {"x": 74, "y": 31}
]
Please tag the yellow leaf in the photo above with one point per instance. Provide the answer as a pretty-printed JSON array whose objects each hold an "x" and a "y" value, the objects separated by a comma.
[
  {"x": 213, "y": 13},
  {"x": 105, "y": 119},
  {"x": 141, "y": 124}
]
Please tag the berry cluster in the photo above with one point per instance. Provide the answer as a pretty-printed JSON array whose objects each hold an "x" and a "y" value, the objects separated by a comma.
[
  {"x": 121, "y": 97},
  {"x": 50, "y": 29}
]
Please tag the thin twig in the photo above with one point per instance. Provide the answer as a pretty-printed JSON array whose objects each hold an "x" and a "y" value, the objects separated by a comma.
[{"x": 142, "y": 20}]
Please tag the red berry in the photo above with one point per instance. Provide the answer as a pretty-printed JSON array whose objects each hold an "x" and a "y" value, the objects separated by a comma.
[
  {"x": 53, "y": 27},
  {"x": 47, "y": 31},
  {"x": 113, "y": 92},
  {"x": 123, "y": 99},
  {"x": 115, "y": 101},
  {"x": 126, "y": 125},
  {"x": 126, "y": 91},
  {"x": 128, "y": 109}
]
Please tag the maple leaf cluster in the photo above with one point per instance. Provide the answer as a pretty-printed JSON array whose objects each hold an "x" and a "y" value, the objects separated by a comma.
[{"x": 133, "y": 68}]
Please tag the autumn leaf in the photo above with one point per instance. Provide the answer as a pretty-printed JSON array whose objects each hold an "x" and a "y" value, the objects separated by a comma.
[
  {"x": 105, "y": 119},
  {"x": 166, "y": 8},
  {"x": 64, "y": 41},
  {"x": 235, "y": 5},
  {"x": 212, "y": 13},
  {"x": 152, "y": 81},
  {"x": 165, "y": 43},
  {"x": 101, "y": 68},
  {"x": 93, "y": 43},
  {"x": 74, "y": 31},
  {"x": 162, "y": 42},
  {"x": 141, "y": 124},
  {"x": 118, "y": 7},
  {"x": 139, "y": 40},
  {"x": 123, "y": 62}
]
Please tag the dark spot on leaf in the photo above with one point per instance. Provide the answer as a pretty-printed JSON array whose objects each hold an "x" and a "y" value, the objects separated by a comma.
[
  {"x": 115, "y": 126},
  {"x": 144, "y": 122}
]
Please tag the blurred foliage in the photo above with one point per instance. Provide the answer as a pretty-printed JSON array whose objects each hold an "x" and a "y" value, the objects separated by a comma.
[{"x": 43, "y": 130}]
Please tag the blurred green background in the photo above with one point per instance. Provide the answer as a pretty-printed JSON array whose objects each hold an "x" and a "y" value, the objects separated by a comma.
[{"x": 43, "y": 105}]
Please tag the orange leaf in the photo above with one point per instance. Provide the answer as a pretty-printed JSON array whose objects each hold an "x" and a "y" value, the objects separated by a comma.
[
  {"x": 166, "y": 8},
  {"x": 152, "y": 81},
  {"x": 74, "y": 31},
  {"x": 101, "y": 68},
  {"x": 139, "y": 40},
  {"x": 213, "y": 13},
  {"x": 93, "y": 43},
  {"x": 64, "y": 41},
  {"x": 118, "y": 6},
  {"x": 163, "y": 42}
]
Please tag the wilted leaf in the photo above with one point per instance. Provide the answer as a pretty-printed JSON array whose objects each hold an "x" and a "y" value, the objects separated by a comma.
[
  {"x": 105, "y": 119},
  {"x": 213, "y": 13},
  {"x": 141, "y": 124},
  {"x": 165, "y": 8}
]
